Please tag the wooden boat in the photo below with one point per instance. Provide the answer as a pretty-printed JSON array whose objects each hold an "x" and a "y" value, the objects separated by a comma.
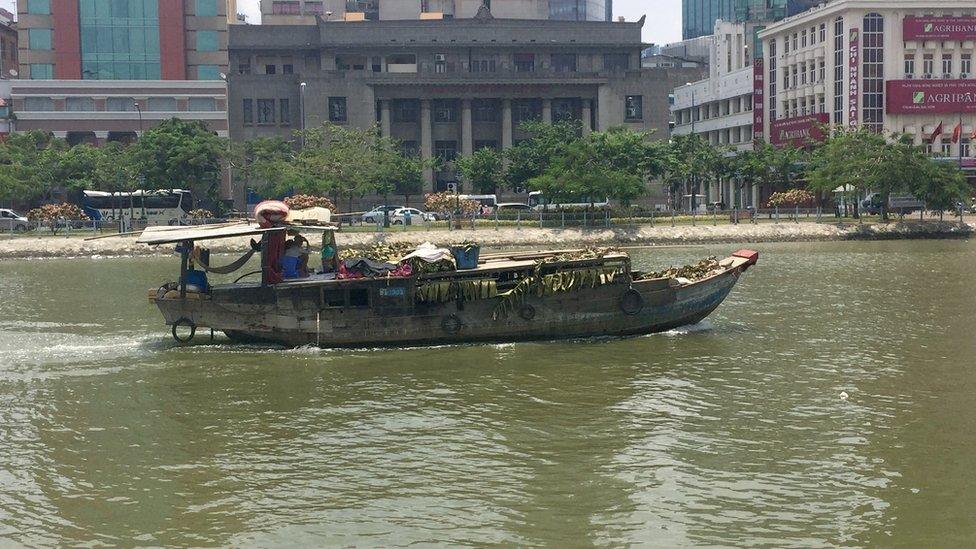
[{"x": 508, "y": 297}]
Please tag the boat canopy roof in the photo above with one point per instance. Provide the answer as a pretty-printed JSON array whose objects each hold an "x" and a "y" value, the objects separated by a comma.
[{"x": 154, "y": 236}]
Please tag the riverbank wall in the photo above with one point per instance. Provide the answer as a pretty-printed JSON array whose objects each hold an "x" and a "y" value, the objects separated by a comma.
[{"x": 29, "y": 246}]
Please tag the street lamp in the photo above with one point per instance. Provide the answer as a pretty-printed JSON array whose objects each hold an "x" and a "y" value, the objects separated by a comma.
[
  {"x": 692, "y": 107},
  {"x": 301, "y": 103},
  {"x": 138, "y": 108}
]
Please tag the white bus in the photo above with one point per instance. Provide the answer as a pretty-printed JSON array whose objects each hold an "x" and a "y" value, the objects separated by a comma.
[
  {"x": 163, "y": 207},
  {"x": 539, "y": 202}
]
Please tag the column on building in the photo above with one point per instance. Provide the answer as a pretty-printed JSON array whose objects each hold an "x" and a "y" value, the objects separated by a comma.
[
  {"x": 467, "y": 136},
  {"x": 426, "y": 144},
  {"x": 547, "y": 111},
  {"x": 586, "y": 116},
  {"x": 385, "y": 117},
  {"x": 506, "y": 124}
]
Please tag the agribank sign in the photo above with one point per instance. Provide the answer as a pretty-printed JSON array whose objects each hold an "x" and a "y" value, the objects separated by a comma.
[
  {"x": 931, "y": 96},
  {"x": 939, "y": 28},
  {"x": 798, "y": 131}
]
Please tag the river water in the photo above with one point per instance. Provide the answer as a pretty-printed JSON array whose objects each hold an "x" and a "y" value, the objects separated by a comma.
[{"x": 830, "y": 401}]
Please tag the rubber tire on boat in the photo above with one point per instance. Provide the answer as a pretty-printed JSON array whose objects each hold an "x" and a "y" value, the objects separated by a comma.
[
  {"x": 632, "y": 302},
  {"x": 451, "y": 324},
  {"x": 184, "y": 322},
  {"x": 527, "y": 312}
]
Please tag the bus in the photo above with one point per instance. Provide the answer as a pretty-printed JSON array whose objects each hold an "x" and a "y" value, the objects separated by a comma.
[
  {"x": 539, "y": 202},
  {"x": 163, "y": 207}
]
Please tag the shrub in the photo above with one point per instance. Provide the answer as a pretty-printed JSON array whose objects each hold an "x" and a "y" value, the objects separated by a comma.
[
  {"x": 201, "y": 214},
  {"x": 792, "y": 197},
  {"x": 51, "y": 214},
  {"x": 304, "y": 201},
  {"x": 448, "y": 202}
]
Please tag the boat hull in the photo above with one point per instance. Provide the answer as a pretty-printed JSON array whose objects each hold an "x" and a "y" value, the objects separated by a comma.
[{"x": 296, "y": 315}]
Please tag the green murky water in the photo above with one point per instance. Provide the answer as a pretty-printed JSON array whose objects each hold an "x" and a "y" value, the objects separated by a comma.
[{"x": 733, "y": 432}]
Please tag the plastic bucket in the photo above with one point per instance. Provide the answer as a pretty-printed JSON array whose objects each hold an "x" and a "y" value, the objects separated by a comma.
[{"x": 466, "y": 256}]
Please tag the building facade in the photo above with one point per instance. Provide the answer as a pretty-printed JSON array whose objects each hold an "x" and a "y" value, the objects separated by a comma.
[
  {"x": 122, "y": 39},
  {"x": 8, "y": 45},
  {"x": 902, "y": 66},
  {"x": 292, "y": 12},
  {"x": 443, "y": 87},
  {"x": 699, "y": 16}
]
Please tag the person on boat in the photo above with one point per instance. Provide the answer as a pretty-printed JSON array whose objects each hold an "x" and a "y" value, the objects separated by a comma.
[
  {"x": 295, "y": 262},
  {"x": 330, "y": 253}
]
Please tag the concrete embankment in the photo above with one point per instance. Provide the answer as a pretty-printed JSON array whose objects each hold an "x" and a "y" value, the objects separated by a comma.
[{"x": 75, "y": 246}]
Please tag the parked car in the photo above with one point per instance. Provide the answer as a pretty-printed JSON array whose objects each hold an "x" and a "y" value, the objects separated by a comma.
[
  {"x": 399, "y": 216},
  {"x": 512, "y": 207},
  {"x": 376, "y": 214},
  {"x": 12, "y": 221}
]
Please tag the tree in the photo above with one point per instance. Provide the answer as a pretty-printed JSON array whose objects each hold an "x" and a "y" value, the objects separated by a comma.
[
  {"x": 27, "y": 162},
  {"x": 484, "y": 169},
  {"x": 531, "y": 157},
  {"x": 261, "y": 161},
  {"x": 690, "y": 161},
  {"x": 848, "y": 158},
  {"x": 181, "y": 153},
  {"x": 941, "y": 185}
]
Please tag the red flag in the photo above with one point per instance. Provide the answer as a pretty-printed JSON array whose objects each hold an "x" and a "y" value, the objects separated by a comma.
[
  {"x": 957, "y": 133},
  {"x": 936, "y": 133}
]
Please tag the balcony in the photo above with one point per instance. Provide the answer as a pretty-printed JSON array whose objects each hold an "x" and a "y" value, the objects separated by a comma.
[{"x": 502, "y": 76}]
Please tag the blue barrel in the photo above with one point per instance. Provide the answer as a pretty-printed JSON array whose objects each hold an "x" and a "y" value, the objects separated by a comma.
[{"x": 466, "y": 257}]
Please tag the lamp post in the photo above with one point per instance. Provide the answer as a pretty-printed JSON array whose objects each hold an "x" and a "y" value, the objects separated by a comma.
[
  {"x": 138, "y": 108},
  {"x": 693, "y": 105},
  {"x": 301, "y": 103}
]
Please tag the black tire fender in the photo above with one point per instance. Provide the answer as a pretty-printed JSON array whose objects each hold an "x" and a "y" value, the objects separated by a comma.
[
  {"x": 451, "y": 324},
  {"x": 184, "y": 322},
  {"x": 527, "y": 312},
  {"x": 631, "y": 302}
]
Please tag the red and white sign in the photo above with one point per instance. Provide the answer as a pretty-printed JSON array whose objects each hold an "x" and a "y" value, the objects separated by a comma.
[
  {"x": 758, "y": 99},
  {"x": 930, "y": 96},
  {"x": 939, "y": 28},
  {"x": 854, "y": 85},
  {"x": 799, "y": 131}
]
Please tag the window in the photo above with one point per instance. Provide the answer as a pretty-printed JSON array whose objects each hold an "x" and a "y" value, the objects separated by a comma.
[
  {"x": 287, "y": 69},
  {"x": 563, "y": 109},
  {"x": 119, "y": 40},
  {"x": 208, "y": 40},
  {"x": 201, "y": 104},
  {"x": 314, "y": 8},
  {"x": 406, "y": 110},
  {"x": 928, "y": 65},
  {"x": 270, "y": 69},
  {"x": 206, "y": 8},
  {"x": 966, "y": 65},
  {"x": 284, "y": 111},
  {"x": 872, "y": 72},
  {"x": 445, "y": 111},
  {"x": 244, "y": 68},
  {"x": 946, "y": 64},
  {"x": 839, "y": 49},
  {"x": 285, "y": 8},
  {"x": 946, "y": 147},
  {"x": 161, "y": 104},
  {"x": 526, "y": 110},
  {"x": 803, "y": 73},
  {"x": 524, "y": 62},
  {"x": 822, "y": 73},
  {"x": 409, "y": 149},
  {"x": 38, "y": 104},
  {"x": 823, "y": 32},
  {"x": 39, "y": 39},
  {"x": 39, "y": 7},
  {"x": 564, "y": 62},
  {"x": 484, "y": 110},
  {"x": 964, "y": 148},
  {"x": 803, "y": 39},
  {"x": 909, "y": 66},
  {"x": 634, "y": 107},
  {"x": 41, "y": 71},
  {"x": 266, "y": 111},
  {"x": 208, "y": 72},
  {"x": 445, "y": 150},
  {"x": 771, "y": 65},
  {"x": 485, "y": 144},
  {"x": 248, "y": 111},
  {"x": 337, "y": 109},
  {"x": 482, "y": 65},
  {"x": 120, "y": 104},
  {"x": 79, "y": 104},
  {"x": 616, "y": 61}
]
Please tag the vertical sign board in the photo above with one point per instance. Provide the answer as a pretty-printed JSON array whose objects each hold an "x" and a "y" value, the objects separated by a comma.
[
  {"x": 758, "y": 99},
  {"x": 854, "y": 66}
]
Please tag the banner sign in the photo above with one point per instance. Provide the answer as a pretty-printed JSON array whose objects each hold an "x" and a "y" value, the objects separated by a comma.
[
  {"x": 798, "y": 131},
  {"x": 854, "y": 66},
  {"x": 939, "y": 28},
  {"x": 758, "y": 99},
  {"x": 931, "y": 96}
]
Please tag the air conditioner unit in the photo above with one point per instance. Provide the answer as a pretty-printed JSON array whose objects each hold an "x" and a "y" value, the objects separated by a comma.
[
  {"x": 441, "y": 57},
  {"x": 964, "y": 75},
  {"x": 946, "y": 76},
  {"x": 909, "y": 76},
  {"x": 927, "y": 76}
]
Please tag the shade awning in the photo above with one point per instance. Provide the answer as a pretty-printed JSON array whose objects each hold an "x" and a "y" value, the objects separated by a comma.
[{"x": 169, "y": 235}]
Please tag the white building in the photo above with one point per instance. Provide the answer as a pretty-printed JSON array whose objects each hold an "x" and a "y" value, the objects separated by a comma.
[
  {"x": 890, "y": 65},
  {"x": 720, "y": 108}
]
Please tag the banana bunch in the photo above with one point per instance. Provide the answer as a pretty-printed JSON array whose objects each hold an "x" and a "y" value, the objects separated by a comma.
[
  {"x": 703, "y": 269},
  {"x": 388, "y": 253}
]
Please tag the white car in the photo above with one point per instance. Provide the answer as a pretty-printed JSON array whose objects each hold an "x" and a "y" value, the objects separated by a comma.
[
  {"x": 375, "y": 215},
  {"x": 416, "y": 216},
  {"x": 12, "y": 221}
]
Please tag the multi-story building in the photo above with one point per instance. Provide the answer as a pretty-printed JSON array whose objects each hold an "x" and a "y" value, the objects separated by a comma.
[
  {"x": 444, "y": 87},
  {"x": 290, "y": 12},
  {"x": 720, "y": 107},
  {"x": 699, "y": 16},
  {"x": 8, "y": 45},
  {"x": 888, "y": 65}
]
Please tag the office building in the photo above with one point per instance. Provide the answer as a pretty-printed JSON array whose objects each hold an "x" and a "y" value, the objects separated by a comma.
[
  {"x": 291, "y": 12},
  {"x": 8, "y": 45},
  {"x": 699, "y": 16}
]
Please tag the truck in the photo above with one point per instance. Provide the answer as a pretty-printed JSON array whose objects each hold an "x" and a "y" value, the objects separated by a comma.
[{"x": 902, "y": 204}]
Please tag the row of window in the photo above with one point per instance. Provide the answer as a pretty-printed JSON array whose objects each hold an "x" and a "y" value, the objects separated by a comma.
[
  {"x": 946, "y": 147},
  {"x": 122, "y": 8},
  {"x": 733, "y": 135},
  {"x": 118, "y": 43},
  {"x": 801, "y": 74},
  {"x": 803, "y": 106},
  {"x": 803, "y": 38},
  {"x": 121, "y": 104},
  {"x": 715, "y": 109},
  {"x": 119, "y": 71},
  {"x": 264, "y": 111},
  {"x": 948, "y": 65}
]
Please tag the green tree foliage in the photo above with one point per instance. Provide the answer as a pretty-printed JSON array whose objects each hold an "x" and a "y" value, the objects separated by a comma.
[
  {"x": 27, "y": 162},
  {"x": 531, "y": 157},
  {"x": 941, "y": 185},
  {"x": 181, "y": 154},
  {"x": 484, "y": 169}
]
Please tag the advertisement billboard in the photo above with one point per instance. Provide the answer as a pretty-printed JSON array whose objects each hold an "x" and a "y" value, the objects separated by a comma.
[
  {"x": 798, "y": 131},
  {"x": 758, "y": 100},
  {"x": 939, "y": 28},
  {"x": 931, "y": 96},
  {"x": 853, "y": 85}
]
